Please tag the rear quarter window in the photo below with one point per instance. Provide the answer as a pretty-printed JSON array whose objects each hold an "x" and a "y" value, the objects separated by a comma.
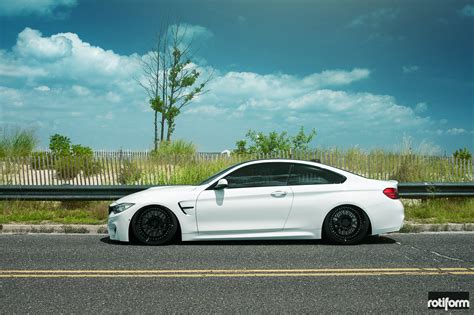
[{"x": 302, "y": 174}]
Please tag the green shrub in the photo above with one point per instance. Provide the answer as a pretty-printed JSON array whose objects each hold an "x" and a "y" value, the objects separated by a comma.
[
  {"x": 274, "y": 142},
  {"x": 241, "y": 147},
  {"x": 409, "y": 170},
  {"x": 177, "y": 147},
  {"x": 81, "y": 158},
  {"x": 60, "y": 145},
  {"x": 19, "y": 143},
  {"x": 90, "y": 167},
  {"x": 81, "y": 151},
  {"x": 462, "y": 154},
  {"x": 66, "y": 168},
  {"x": 85, "y": 157},
  {"x": 129, "y": 173}
]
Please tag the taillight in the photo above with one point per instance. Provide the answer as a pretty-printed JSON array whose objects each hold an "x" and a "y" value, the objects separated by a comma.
[{"x": 391, "y": 193}]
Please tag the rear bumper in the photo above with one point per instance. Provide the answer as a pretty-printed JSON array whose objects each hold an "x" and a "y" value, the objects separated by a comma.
[{"x": 389, "y": 220}]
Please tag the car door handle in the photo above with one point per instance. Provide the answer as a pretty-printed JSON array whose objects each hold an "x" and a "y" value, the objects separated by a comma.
[{"x": 278, "y": 193}]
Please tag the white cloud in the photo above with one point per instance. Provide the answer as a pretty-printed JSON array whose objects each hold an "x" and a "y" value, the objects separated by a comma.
[
  {"x": 468, "y": 10},
  {"x": 80, "y": 90},
  {"x": 208, "y": 110},
  {"x": 336, "y": 77},
  {"x": 410, "y": 69},
  {"x": 421, "y": 107},
  {"x": 30, "y": 43},
  {"x": 113, "y": 97},
  {"x": 42, "y": 88},
  {"x": 358, "y": 108},
  {"x": 456, "y": 131},
  {"x": 266, "y": 89},
  {"x": 373, "y": 19},
  {"x": 66, "y": 56},
  {"x": 301, "y": 101},
  {"x": 39, "y": 7},
  {"x": 11, "y": 97},
  {"x": 13, "y": 68},
  {"x": 426, "y": 147},
  {"x": 190, "y": 33}
]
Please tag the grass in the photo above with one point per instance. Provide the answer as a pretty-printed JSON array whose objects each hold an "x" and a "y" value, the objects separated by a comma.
[
  {"x": 437, "y": 211},
  {"x": 176, "y": 147},
  {"x": 41, "y": 212},
  {"x": 445, "y": 210},
  {"x": 17, "y": 142}
]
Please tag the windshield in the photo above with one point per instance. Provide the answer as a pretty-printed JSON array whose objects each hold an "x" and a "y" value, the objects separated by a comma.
[{"x": 210, "y": 179}]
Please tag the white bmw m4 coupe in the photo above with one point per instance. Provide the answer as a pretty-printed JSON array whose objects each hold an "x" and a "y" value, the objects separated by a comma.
[{"x": 263, "y": 199}]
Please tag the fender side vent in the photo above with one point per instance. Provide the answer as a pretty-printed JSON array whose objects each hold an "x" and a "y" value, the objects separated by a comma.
[{"x": 186, "y": 205}]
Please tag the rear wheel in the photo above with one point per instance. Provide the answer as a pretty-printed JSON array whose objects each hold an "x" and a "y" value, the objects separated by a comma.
[
  {"x": 346, "y": 225},
  {"x": 154, "y": 225}
]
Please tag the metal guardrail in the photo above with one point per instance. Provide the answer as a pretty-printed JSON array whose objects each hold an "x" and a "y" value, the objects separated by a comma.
[
  {"x": 435, "y": 190},
  {"x": 67, "y": 192}
]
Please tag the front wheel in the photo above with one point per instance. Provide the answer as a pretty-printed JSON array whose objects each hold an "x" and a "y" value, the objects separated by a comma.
[
  {"x": 154, "y": 225},
  {"x": 346, "y": 225}
]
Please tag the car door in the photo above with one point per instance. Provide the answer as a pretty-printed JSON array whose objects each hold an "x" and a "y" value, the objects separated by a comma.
[{"x": 257, "y": 199}]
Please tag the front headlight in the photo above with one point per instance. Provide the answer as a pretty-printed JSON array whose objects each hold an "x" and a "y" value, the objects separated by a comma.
[{"x": 120, "y": 207}]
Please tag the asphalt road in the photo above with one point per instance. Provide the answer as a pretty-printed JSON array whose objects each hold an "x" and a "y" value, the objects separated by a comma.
[{"x": 88, "y": 273}]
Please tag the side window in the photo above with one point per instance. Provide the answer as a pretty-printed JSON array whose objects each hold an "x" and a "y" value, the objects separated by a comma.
[
  {"x": 309, "y": 175},
  {"x": 260, "y": 175}
]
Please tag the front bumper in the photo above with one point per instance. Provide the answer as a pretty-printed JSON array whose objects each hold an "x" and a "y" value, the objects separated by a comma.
[{"x": 118, "y": 225}]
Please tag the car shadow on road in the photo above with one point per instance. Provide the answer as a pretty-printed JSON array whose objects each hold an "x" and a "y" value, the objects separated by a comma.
[{"x": 371, "y": 240}]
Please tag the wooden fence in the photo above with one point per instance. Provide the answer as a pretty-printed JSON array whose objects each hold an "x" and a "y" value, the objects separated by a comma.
[{"x": 144, "y": 168}]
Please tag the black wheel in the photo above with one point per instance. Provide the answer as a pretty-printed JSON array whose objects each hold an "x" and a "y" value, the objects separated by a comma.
[
  {"x": 346, "y": 225},
  {"x": 154, "y": 225}
]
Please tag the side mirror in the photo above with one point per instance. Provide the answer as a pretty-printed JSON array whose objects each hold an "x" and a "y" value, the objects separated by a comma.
[{"x": 221, "y": 184}]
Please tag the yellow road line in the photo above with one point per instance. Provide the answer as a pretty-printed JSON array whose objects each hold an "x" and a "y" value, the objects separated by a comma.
[
  {"x": 160, "y": 271},
  {"x": 214, "y": 275}
]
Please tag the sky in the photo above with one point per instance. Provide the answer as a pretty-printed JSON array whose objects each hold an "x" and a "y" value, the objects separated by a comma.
[{"x": 366, "y": 74}]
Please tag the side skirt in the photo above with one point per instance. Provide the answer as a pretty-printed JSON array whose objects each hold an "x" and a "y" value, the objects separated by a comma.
[{"x": 282, "y": 235}]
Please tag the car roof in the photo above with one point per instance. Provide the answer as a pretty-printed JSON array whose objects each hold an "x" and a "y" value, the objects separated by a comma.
[{"x": 321, "y": 165}]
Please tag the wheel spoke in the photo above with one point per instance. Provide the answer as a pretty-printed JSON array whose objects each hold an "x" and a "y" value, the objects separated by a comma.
[{"x": 155, "y": 224}]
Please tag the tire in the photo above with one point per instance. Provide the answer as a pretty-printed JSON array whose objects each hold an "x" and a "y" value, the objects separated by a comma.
[
  {"x": 346, "y": 225},
  {"x": 154, "y": 225}
]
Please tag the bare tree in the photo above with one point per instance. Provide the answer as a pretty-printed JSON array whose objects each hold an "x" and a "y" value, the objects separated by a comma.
[
  {"x": 170, "y": 79},
  {"x": 152, "y": 81}
]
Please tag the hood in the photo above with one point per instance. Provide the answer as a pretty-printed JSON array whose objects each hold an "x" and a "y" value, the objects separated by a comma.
[
  {"x": 173, "y": 188},
  {"x": 156, "y": 193}
]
